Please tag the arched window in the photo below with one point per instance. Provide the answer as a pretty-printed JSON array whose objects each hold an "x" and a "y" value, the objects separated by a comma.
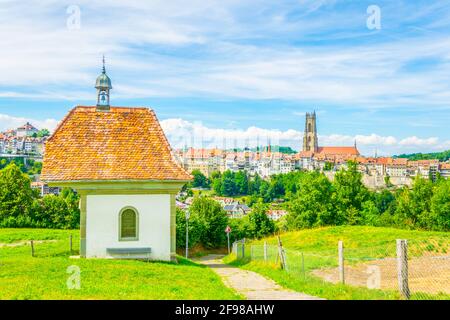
[
  {"x": 309, "y": 127},
  {"x": 128, "y": 224}
]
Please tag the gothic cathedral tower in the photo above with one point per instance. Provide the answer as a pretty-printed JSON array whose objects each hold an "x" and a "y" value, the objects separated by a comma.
[{"x": 310, "y": 141}]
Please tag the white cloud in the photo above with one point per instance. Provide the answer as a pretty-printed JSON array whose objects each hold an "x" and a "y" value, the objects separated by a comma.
[
  {"x": 185, "y": 133},
  {"x": 415, "y": 141},
  {"x": 221, "y": 64},
  {"x": 10, "y": 122}
]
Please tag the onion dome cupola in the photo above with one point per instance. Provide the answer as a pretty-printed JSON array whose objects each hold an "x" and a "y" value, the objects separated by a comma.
[{"x": 103, "y": 86}]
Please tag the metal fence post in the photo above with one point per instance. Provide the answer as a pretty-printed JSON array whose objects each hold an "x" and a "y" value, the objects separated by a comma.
[
  {"x": 402, "y": 267},
  {"x": 70, "y": 244},
  {"x": 341, "y": 261},
  {"x": 265, "y": 251},
  {"x": 243, "y": 248}
]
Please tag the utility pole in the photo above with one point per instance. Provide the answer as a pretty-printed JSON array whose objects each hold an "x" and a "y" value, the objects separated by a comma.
[{"x": 188, "y": 214}]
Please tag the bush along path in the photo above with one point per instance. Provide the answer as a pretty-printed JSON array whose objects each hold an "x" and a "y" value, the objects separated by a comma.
[{"x": 250, "y": 284}]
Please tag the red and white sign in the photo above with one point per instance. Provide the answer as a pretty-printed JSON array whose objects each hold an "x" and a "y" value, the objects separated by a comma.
[{"x": 227, "y": 229}]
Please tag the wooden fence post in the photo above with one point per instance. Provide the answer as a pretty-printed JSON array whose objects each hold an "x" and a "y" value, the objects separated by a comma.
[
  {"x": 32, "y": 248},
  {"x": 402, "y": 267},
  {"x": 265, "y": 251},
  {"x": 341, "y": 261},
  {"x": 281, "y": 253},
  {"x": 243, "y": 248}
]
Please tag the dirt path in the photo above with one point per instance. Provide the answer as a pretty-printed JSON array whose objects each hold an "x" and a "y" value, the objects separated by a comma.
[{"x": 251, "y": 284}]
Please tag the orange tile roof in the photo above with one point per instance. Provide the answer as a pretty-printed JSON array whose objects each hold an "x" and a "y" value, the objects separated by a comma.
[
  {"x": 400, "y": 161},
  {"x": 384, "y": 160},
  {"x": 27, "y": 126},
  {"x": 304, "y": 154},
  {"x": 122, "y": 144}
]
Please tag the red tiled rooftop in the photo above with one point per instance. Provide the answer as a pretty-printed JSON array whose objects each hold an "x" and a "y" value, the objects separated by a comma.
[
  {"x": 122, "y": 144},
  {"x": 338, "y": 151}
]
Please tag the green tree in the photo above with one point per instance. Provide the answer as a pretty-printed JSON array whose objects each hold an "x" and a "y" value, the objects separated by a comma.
[
  {"x": 439, "y": 217},
  {"x": 16, "y": 195},
  {"x": 57, "y": 211},
  {"x": 43, "y": 133},
  {"x": 259, "y": 224},
  {"x": 350, "y": 193},
  {"x": 370, "y": 215},
  {"x": 200, "y": 180},
  {"x": 328, "y": 166},
  {"x": 413, "y": 206},
  {"x": 241, "y": 181},
  {"x": 195, "y": 230},
  {"x": 312, "y": 205},
  {"x": 228, "y": 186},
  {"x": 382, "y": 199},
  {"x": 211, "y": 220}
]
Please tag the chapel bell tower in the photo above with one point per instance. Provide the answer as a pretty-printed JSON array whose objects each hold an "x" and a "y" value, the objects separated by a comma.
[{"x": 103, "y": 86}]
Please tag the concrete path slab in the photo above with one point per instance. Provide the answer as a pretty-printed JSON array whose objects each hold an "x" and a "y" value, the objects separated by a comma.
[{"x": 251, "y": 284}]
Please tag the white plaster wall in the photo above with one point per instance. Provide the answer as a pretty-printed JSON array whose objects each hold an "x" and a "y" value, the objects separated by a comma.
[{"x": 102, "y": 224}]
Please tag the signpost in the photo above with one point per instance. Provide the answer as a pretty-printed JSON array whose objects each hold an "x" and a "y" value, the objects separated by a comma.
[
  {"x": 187, "y": 215},
  {"x": 227, "y": 231}
]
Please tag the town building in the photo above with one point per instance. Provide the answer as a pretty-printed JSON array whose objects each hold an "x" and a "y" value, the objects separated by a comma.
[
  {"x": 44, "y": 189},
  {"x": 378, "y": 172},
  {"x": 120, "y": 163},
  {"x": 444, "y": 170},
  {"x": 276, "y": 214},
  {"x": 236, "y": 210},
  {"x": 27, "y": 130},
  {"x": 22, "y": 141}
]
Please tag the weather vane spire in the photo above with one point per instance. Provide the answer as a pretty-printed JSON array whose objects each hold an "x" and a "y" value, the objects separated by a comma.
[{"x": 104, "y": 70}]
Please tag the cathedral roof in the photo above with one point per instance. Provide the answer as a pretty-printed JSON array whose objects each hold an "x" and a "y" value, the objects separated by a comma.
[
  {"x": 338, "y": 151},
  {"x": 121, "y": 144}
]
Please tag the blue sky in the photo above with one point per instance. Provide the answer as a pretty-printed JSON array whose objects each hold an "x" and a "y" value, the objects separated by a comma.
[{"x": 242, "y": 71}]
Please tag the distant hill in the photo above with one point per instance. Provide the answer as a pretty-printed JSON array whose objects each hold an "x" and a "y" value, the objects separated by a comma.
[{"x": 441, "y": 156}]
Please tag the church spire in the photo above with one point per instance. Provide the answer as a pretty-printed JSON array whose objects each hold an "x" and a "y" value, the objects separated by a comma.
[
  {"x": 310, "y": 140},
  {"x": 104, "y": 69}
]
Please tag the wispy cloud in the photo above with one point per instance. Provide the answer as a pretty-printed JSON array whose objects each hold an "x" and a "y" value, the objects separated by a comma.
[
  {"x": 10, "y": 122},
  {"x": 185, "y": 133},
  {"x": 170, "y": 49},
  {"x": 306, "y": 52},
  {"x": 182, "y": 133}
]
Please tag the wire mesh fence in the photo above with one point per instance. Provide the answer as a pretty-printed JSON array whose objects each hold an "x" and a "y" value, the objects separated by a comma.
[{"x": 414, "y": 269}]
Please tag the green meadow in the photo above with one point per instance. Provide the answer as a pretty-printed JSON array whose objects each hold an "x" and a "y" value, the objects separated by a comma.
[
  {"x": 316, "y": 249},
  {"x": 45, "y": 275}
]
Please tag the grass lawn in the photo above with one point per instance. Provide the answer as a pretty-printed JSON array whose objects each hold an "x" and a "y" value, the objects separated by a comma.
[
  {"x": 316, "y": 249},
  {"x": 45, "y": 275}
]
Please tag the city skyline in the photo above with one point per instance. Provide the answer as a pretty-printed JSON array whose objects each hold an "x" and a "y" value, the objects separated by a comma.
[{"x": 239, "y": 73}]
